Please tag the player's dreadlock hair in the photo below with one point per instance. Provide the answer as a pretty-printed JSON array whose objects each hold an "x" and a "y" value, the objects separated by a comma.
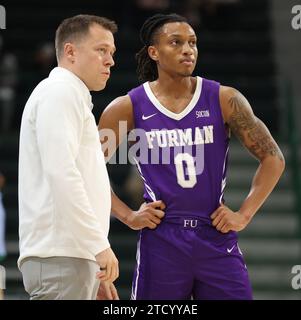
[{"x": 147, "y": 68}]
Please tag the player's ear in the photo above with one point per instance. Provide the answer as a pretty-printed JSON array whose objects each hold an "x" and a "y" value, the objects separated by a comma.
[{"x": 153, "y": 53}]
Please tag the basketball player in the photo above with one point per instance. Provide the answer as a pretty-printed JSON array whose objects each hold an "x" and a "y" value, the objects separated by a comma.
[{"x": 193, "y": 252}]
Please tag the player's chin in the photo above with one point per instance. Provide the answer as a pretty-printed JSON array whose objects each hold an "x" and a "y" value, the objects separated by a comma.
[{"x": 186, "y": 73}]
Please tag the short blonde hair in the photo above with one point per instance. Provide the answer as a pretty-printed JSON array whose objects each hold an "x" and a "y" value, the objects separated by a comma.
[{"x": 74, "y": 28}]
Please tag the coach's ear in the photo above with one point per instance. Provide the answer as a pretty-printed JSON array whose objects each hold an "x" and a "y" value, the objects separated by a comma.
[
  {"x": 69, "y": 52},
  {"x": 153, "y": 53}
]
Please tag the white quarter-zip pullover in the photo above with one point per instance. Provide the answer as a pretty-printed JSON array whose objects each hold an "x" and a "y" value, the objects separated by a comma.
[{"x": 64, "y": 189}]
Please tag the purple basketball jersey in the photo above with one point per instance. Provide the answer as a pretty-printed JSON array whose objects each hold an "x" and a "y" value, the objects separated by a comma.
[{"x": 186, "y": 153}]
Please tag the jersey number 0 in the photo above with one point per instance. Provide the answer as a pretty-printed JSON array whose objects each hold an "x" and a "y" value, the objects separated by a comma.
[{"x": 186, "y": 159}]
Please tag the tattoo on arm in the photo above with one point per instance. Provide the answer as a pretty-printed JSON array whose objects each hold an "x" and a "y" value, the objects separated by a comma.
[{"x": 251, "y": 131}]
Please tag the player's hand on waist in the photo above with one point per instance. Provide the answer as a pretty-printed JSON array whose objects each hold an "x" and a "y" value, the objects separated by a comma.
[
  {"x": 107, "y": 291},
  {"x": 225, "y": 220},
  {"x": 108, "y": 265},
  {"x": 149, "y": 215}
]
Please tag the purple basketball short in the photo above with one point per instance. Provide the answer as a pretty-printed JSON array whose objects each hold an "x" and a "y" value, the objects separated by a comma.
[{"x": 189, "y": 259}]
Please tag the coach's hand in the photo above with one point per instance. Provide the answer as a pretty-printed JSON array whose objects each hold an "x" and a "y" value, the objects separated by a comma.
[
  {"x": 225, "y": 220},
  {"x": 108, "y": 264},
  {"x": 107, "y": 291},
  {"x": 149, "y": 215}
]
